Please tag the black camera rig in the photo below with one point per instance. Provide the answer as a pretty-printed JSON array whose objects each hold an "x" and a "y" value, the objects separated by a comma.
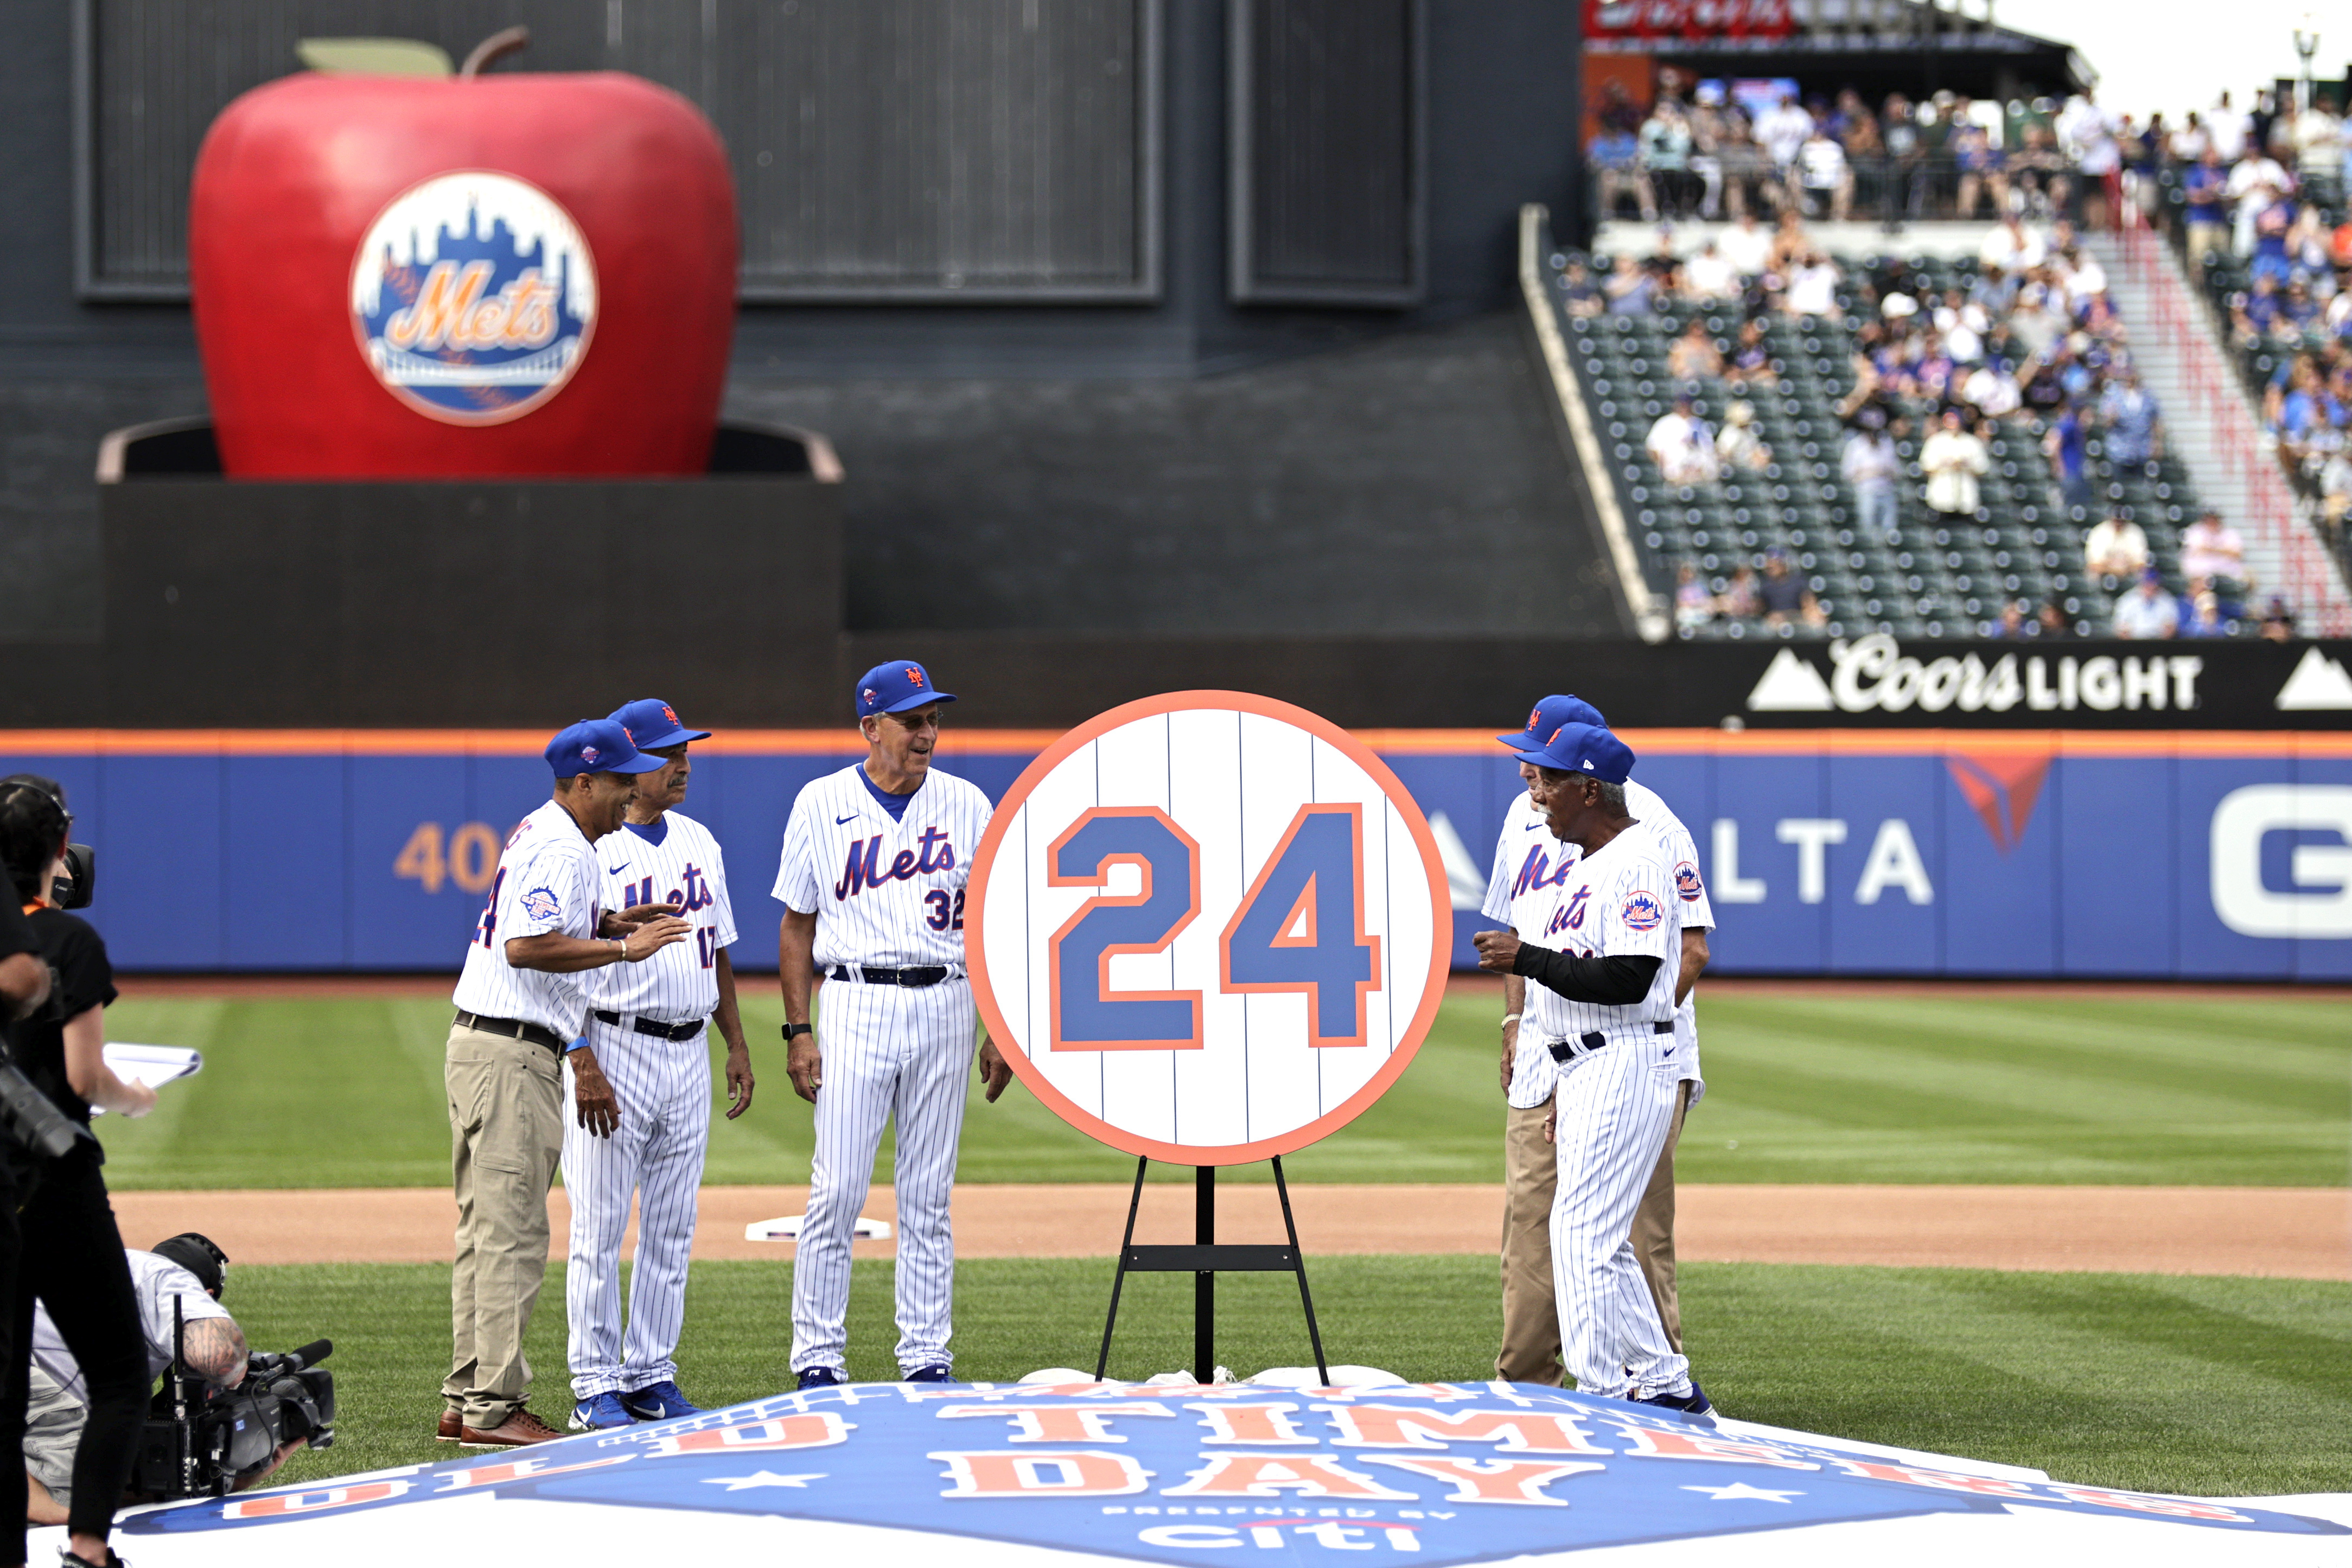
[{"x": 200, "y": 1440}]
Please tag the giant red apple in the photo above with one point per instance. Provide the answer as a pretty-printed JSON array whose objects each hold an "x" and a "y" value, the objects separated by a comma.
[{"x": 519, "y": 274}]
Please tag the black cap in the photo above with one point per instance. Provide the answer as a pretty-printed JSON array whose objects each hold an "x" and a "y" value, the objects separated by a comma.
[{"x": 199, "y": 1256}]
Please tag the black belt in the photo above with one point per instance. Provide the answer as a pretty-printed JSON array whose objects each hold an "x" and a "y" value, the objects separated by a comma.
[
  {"x": 927, "y": 974},
  {"x": 658, "y": 1030},
  {"x": 1562, "y": 1050},
  {"x": 514, "y": 1028}
]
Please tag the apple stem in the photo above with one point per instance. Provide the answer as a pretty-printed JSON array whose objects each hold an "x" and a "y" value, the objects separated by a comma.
[{"x": 497, "y": 45}]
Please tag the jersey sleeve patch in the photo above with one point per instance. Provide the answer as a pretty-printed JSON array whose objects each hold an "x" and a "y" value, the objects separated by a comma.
[
  {"x": 541, "y": 904},
  {"x": 1642, "y": 910},
  {"x": 1687, "y": 884}
]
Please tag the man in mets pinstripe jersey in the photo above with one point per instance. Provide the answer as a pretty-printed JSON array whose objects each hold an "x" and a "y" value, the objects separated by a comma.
[
  {"x": 1529, "y": 865},
  {"x": 640, "y": 1087},
  {"x": 875, "y": 864},
  {"x": 1603, "y": 1006}
]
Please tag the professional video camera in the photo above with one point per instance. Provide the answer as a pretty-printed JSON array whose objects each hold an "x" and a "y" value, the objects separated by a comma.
[{"x": 200, "y": 1439}]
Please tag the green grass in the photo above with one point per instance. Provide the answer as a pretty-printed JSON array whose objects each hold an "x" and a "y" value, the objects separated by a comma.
[
  {"x": 2188, "y": 1088},
  {"x": 2219, "y": 1387}
]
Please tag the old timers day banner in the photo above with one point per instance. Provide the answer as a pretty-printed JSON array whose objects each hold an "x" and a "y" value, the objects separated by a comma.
[{"x": 1425, "y": 1474}]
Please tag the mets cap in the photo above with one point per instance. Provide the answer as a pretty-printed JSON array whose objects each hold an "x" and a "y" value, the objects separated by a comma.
[
  {"x": 1584, "y": 749},
  {"x": 598, "y": 746},
  {"x": 1548, "y": 716},
  {"x": 894, "y": 687},
  {"x": 652, "y": 722}
]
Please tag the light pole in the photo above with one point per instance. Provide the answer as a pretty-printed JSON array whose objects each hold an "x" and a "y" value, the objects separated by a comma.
[{"x": 2306, "y": 43}]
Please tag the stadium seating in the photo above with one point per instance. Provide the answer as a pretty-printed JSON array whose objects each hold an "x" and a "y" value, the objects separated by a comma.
[{"x": 1932, "y": 581}]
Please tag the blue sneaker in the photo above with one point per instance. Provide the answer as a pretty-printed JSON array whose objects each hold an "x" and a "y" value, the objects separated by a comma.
[
  {"x": 820, "y": 1377},
  {"x": 1694, "y": 1403},
  {"x": 599, "y": 1413},
  {"x": 658, "y": 1402},
  {"x": 929, "y": 1375}
]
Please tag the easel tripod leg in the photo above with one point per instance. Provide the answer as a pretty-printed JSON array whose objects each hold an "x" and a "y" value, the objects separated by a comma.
[
  {"x": 1290, "y": 1227},
  {"x": 1135, "y": 1202}
]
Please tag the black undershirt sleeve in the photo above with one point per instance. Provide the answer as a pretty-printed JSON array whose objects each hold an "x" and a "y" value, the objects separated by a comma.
[{"x": 1617, "y": 982}]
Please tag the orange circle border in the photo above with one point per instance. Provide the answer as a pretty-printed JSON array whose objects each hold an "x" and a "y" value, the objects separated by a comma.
[{"x": 1441, "y": 945}]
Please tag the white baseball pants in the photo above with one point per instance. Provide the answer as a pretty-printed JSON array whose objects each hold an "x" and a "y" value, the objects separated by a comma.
[
  {"x": 664, "y": 1087},
  {"x": 1615, "y": 1106},
  {"x": 889, "y": 1050}
]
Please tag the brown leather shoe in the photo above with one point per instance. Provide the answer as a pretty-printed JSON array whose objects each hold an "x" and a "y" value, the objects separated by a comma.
[
  {"x": 452, "y": 1427},
  {"x": 517, "y": 1431}
]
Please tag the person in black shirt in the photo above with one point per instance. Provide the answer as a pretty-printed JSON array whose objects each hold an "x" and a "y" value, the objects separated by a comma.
[{"x": 70, "y": 1254}]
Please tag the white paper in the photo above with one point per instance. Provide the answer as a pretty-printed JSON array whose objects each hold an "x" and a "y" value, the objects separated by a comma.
[{"x": 153, "y": 1066}]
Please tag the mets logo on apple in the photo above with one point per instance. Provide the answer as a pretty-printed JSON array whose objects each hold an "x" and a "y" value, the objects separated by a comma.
[{"x": 474, "y": 297}]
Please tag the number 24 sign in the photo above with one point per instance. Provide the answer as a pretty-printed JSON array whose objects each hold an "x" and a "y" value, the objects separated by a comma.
[{"x": 1208, "y": 927}]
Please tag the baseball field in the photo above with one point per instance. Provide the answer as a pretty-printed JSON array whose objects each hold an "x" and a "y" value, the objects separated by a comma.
[{"x": 2098, "y": 1231}]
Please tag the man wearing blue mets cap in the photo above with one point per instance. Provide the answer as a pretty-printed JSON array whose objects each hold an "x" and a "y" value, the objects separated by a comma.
[
  {"x": 1528, "y": 864},
  {"x": 1602, "y": 1008},
  {"x": 875, "y": 864},
  {"x": 520, "y": 1004}
]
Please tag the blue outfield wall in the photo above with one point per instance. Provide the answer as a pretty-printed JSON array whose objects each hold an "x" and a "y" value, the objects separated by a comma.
[{"x": 1920, "y": 852}]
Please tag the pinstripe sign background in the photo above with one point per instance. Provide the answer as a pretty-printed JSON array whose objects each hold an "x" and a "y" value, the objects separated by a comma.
[{"x": 1208, "y": 927}]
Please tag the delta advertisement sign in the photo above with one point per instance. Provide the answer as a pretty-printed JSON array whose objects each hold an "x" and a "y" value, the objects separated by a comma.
[
  {"x": 1173, "y": 1471},
  {"x": 2195, "y": 854}
]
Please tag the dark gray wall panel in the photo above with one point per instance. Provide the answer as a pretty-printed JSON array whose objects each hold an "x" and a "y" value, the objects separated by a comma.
[{"x": 1327, "y": 104}]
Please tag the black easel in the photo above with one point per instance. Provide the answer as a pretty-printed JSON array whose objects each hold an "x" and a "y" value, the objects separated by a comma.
[{"x": 1203, "y": 1260}]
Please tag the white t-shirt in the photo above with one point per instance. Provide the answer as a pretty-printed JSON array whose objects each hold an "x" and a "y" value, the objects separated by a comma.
[
  {"x": 1745, "y": 248},
  {"x": 1530, "y": 867},
  {"x": 674, "y": 859},
  {"x": 548, "y": 880},
  {"x": 884, "y": 893},
  {"x": 1813, "y": 290},
  {"x": 155, "y": 1279},
  {"x": 1711, "y": 275},
  {"x": 2012, "y": 253}
]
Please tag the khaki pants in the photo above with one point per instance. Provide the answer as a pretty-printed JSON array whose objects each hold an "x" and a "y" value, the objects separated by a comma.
[
  {"x": 1530, "y": 1351},
  {"x": 506, "y": 1135}
]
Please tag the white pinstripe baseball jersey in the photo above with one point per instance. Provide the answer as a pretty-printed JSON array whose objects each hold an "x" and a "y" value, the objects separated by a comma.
[
  {"x": 884, "y": 892},
  {"x": 678, "y": 860},
  {"x": 1618, "y": 902},
  {"x": 1530, "y": 868},
  {"x": 546, "y": 881}
]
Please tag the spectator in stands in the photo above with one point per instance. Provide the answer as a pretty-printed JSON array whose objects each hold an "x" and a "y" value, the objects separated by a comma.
[
  {"x": 2278, "y": 622},
  {"x": 2271, "y": 223},
  {"x": 2116, "y": 550},
  {"x": 2205, "y": 618},
  {"x": 1992, "y": 390},
  {"x": 1812, "y": 288},
  {"x": 2012, "y": 625},
  {"x": 1682, "y": 445},
  {"x": 1962, "y": 326},
  {"x": 1709, "y": 275},
  {"x": 1580, "y": 293},
  {"x": 1953, "y": 459},
  {"x": 2067, "y": 446},
  {"x": 1865, "y": 151},
  {"x": 2054, "y": 620},
  {"x": 1826, "y": 177},
  {"x": 2255, "y": 183},
  {"x": 1751, "y": 361},
  {"x": 2319, "y": 150},
  {"x": 1739, "y": 600},
  {"x": 1694, "y": 606},
  {"x": 1994, "y": 291},
  {"x": 1616, "y": 158},
  {"x": 1789, "y": 241},
  {"x": 2190, "y": 141},
  {"x": 2147, "y": 612},
  {"x": 1906, "y": 152},
  {"x": 1666, "y": 153},
  {"x": 1872, "y": 465},
  {"x": 1981, "y": 168},
  {"x": 1788, "y": 598},
  {"x": 2133, "y": 422},
  {"x": 2226, "y": 126},
  {"x": 1631, "y": 289},
  {"x": 2212, "y": 550},
  {"x": 2086, "y": 134},
  {"x": 1782, "y": 131},
  {"x": 2011, "y": 246},
  {"x": 1693, "y": 356},
  {"x": 2037, "y": 173},
  {"x": 2257, "y": 314},
  {"x": 2206, "y": 187},
  {"x": 1737, "y": 446},
  {"x": 1747, "y": 246}
]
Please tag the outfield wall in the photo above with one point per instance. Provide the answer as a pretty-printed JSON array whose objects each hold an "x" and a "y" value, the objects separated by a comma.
[{"x": 2198, "y": 854}]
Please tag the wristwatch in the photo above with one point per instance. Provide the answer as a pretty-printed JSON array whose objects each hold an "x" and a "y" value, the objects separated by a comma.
[{"x": 792, "y": 1030}]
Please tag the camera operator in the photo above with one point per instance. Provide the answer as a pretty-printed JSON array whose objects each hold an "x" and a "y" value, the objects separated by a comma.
[
  {"x": 71, "y": 1255},
  {"x": 182, "y": 1277}
]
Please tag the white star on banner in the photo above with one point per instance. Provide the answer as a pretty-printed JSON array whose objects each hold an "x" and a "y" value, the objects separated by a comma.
[
  {"x": 759, "y": 1479},
  {"x": 1739, "y": 1489}
]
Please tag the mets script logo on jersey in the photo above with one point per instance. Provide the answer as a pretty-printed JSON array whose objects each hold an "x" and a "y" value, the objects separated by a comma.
[
  {"x": 473, "y": 297},
  {"x": 866, "y": 868},
  {"x": 1536, "y": 872},
  {"x": 695, "y": 895},
  {"x": 1643, "y": 912},
  {"x": 1686, "y": 882},
  {"x": 1570, "y": 915},
  {"x": 541, "y": 904}
]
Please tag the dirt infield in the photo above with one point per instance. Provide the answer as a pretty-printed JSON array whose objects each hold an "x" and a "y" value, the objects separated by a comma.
[{"x": 2284, "y": 1232}]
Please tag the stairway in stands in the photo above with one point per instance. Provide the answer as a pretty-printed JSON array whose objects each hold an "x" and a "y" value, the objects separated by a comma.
[{"x": 2211, "y": 426}]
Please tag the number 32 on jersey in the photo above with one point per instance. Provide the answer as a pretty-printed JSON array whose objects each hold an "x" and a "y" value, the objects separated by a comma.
[{"x": 1299, "y": 927}]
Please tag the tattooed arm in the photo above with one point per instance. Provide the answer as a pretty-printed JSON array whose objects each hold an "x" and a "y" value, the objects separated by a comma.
[{"x": 215, "y": 1351}]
